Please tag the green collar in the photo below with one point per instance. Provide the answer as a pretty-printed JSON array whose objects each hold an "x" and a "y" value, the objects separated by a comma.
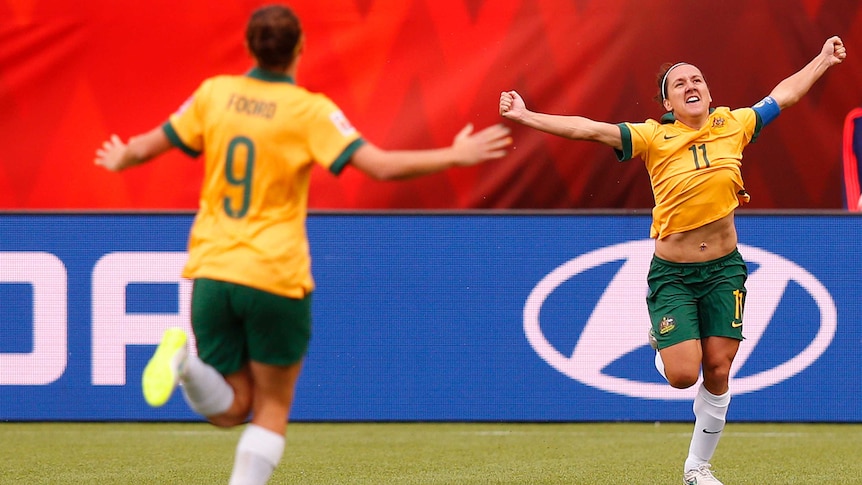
[
  {"x": 270, "y": 76},
  {"x": 668, "y": 117}
]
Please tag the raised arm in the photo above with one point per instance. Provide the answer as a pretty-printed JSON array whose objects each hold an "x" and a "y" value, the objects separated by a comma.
[
  {"x": 512, "y": 107},
  {"x": 468, "y": 148},
  {"x": 789, "y": 91}
]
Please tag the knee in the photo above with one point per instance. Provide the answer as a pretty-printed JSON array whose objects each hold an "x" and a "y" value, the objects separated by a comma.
[
  {"x": 682, "y": 378},
  {"x": 717, "y": 373},
  {"x": 716, "y": 378},
  {"x": 236, "y": 415},
  {"x": 716, "y": 369}
]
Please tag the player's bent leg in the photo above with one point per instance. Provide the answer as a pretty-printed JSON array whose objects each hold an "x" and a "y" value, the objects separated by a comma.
[
  {"x": 237, "y": 413},
  {"x": 162, "y": 373},
  {"x": 659, "y": 364},
  {"x": 682, "y": 363}
]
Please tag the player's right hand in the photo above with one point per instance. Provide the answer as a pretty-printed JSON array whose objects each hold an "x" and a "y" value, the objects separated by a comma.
[
  {"x": 486, "y": 144},
  {"x": 512, "y": 105},
  {"x": 110, "y": 154}
]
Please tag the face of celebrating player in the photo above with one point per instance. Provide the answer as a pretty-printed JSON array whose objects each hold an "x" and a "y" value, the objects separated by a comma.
[{"x": 687, "y": 95}]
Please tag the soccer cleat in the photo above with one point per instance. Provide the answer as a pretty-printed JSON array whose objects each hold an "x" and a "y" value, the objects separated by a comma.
[
  {"x": 652, "y": 341},
  {"x": 162, "y": 373},
  {"x": 700, "y": 476}
]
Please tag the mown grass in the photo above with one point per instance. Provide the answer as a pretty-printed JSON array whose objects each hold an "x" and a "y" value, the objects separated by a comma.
[{"x": 429, "y": 453}]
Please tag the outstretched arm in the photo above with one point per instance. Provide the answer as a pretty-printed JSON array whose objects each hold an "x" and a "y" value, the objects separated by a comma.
[
  {"x": 115, "y": 155},
  {"x": 467, "y": 149},
  {"x": 789, "y": 91},
  {"x": 512, "y": 107}
]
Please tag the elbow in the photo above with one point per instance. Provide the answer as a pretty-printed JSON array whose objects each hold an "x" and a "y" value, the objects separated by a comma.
[
  {"x": 785, "y": 98},
  {"x": 576, "y": 132},
  {"x": 788, "y": 102},
  {"x": 382, "y": 173},
  {"x": 783, "y": 105},
  {"x": 785, "y": 101}
]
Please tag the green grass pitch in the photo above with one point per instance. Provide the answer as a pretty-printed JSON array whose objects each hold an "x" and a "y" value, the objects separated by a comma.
[{"x": 430, "y": 453}]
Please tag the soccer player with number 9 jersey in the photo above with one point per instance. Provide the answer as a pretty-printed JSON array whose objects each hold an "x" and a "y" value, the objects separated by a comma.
[{"x": 260, "y": 134}]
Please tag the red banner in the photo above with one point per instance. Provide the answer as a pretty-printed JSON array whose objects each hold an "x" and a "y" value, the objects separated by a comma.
[{"x": 410, "y": 74}]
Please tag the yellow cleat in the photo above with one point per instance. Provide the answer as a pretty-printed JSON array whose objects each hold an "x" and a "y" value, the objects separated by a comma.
[{"x": 162, "y": 373}]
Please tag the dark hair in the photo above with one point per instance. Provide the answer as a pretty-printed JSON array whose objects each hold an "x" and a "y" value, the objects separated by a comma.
[
  {"x": 659, "y": 79},
  {"x": 273, "y": 34}
]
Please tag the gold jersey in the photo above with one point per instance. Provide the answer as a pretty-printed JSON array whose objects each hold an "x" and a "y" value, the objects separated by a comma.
[
  {"x": 695, "y": 174},
  {"x": 260, "y": 135}
]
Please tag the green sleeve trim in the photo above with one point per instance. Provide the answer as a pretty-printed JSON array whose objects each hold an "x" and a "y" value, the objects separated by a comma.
[
  {"x": 177, "y": 142},
  {"x": 758, "y": 125},
  {"x": 626, "y": 138},
  {"x": 343, "y": 159}
]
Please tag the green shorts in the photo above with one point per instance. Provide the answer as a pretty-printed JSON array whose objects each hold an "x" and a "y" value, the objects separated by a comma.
[
  {"x": 234, "y": 324},
  {"x": 695, "y": 300}
]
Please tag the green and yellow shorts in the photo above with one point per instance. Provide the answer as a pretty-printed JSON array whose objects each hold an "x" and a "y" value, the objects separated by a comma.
[
  {"x": 695, "y": 300},
  {"x": 235, "y": 324}
]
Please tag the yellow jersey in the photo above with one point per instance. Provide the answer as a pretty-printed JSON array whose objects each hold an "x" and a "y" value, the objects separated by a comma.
[
  {"x": 260, "y": 135},
  {"x": 695, "y": 174}
]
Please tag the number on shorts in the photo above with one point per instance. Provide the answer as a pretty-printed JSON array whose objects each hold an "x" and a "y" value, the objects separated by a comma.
[{"x": 740, "y": 296}]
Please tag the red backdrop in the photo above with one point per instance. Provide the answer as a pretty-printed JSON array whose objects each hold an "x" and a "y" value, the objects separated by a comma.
[{"x": 410, "y": 74}]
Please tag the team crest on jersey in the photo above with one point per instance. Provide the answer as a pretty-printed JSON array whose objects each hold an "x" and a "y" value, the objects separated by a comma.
[
  {"x": 342, "y": 123},
  {"x": 666, "y": 325},
  {"x": 718, "y": 122}
]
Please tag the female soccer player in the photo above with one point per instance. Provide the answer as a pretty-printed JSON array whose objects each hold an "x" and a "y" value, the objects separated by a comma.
[
  {"x": 697, "y": 276},
  {"x": 260, "y": 134}
]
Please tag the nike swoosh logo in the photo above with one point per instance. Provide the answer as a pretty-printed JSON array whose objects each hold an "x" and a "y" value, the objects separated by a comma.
[
  {"x": 669, "y": 137},
  {"x": 711, "y": 432},
  {"x": 735, "y": 325}
]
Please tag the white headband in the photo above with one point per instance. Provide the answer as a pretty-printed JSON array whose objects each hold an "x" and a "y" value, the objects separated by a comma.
[{"x": 664, "y": 79}]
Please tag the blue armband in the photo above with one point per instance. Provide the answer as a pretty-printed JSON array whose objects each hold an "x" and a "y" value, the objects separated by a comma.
[{"x": 767, "y": 109}]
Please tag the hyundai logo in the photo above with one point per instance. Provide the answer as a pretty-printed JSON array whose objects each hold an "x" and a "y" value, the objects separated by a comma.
[{"x": 619, "y": 322}]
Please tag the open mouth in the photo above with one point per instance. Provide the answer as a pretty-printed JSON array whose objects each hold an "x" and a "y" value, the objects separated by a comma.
[{"x": 692, "y": 99}]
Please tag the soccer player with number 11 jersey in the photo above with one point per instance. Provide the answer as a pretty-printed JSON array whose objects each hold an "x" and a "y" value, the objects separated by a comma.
[{"x": 693, "y": 155}]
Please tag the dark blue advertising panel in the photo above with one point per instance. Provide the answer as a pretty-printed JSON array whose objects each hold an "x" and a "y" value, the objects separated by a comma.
[{"x": 437, "y": 317}]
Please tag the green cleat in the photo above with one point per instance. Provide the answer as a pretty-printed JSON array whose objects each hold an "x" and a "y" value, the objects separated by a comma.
[{"x": 162, "y": 373}]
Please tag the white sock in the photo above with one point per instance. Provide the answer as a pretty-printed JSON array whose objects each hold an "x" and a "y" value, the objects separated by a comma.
[
  {"x": 204, "y": 388},
  {"x": 257, "y": 454},
  {"x": 659, "y": 365},
  {"x": 709, "y": 418}
]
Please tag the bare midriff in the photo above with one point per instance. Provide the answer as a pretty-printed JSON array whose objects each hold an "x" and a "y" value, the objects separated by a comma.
[{"x": 705, "y": 243}]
